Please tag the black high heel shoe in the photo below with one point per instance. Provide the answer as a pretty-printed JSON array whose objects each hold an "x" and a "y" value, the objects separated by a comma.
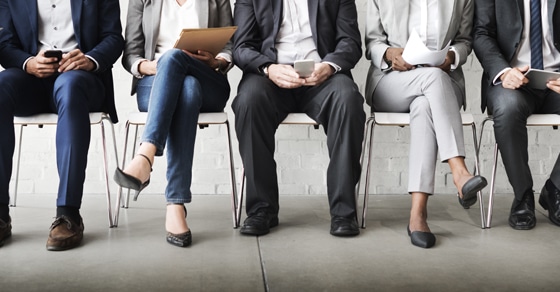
[
  {"x": 470, "y": 189},
  {"x": 181, "y": 240},
  {"x": 128, "y": 181}
]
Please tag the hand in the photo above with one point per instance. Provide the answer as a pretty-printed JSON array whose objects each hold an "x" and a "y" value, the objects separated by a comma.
[
  {"x": 75, "y": 60},
  {"x": 41, "y": 66},
  {"x": 554, "y": 85},
  {"x": 205, "y": 57},
  {"x": 449, "y": 60},
  {"x": 398, "y": 63},
  {"x": 321, "y": 73},
  {"x": 147, "y": 67},
  {"x": 514, "y": 78},
  {"x": 285, "y": 76}
]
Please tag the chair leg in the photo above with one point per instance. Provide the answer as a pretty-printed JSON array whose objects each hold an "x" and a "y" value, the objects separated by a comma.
[
  {"x": 106, "y": 168},
  {"x": 492, "y": 182},
  {"x": 477, "y": 172},
  {"x": 18, "y": 159},
  {"x": 240, "y": 199},
  {"x": 370, "y": 124},
  {"x": 235, "y": 203}
]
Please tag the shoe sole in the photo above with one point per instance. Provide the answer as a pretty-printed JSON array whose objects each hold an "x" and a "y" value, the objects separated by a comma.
[{"x": 6, "y": 237}]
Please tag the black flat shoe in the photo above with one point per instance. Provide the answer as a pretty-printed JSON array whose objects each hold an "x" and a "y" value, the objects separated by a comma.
[
  {"x": 258, "y": 224},
  {"x": 470, "y": 190},
  {"x": 522, "y": 215},
  {"x": 128, "y": 181},
  {"x": 550, "y": 201},
  {"x": 5, "y": 230},
  {"x": 181, "y": 240},
  {"x": 341, "y": 226},
  {"x": 421, "y": 239}
]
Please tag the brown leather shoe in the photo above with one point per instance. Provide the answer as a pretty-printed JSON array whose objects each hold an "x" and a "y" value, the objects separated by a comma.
[
  {"x": 5, "y": 231},
  {"x": 65, "y": 234}
]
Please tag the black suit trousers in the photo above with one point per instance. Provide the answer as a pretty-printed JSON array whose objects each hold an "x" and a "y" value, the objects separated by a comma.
[{"x": 337, "y": 105}]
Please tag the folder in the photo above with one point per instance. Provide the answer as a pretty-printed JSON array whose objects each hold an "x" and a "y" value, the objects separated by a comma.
[{"x": 212, "y": 40}]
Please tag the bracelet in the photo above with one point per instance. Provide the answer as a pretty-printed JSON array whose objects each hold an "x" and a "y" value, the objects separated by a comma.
[{"x": 219, "y": 68}]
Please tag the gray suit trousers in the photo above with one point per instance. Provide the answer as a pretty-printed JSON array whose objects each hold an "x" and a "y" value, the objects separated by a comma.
[{"x": 433, "y": 100}]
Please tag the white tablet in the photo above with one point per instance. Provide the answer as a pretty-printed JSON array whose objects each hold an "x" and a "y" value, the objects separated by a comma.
[{"x": 539, "y": 78}]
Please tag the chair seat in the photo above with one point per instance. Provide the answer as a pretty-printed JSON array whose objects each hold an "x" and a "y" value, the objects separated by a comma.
[
  {"x": 403, "y": 119},
  {"x": 52, "y": 119},
  {"x": 298, "y": 119},
  {"x": 543, "y": 120},
  {"x": 139, "y": 118}
]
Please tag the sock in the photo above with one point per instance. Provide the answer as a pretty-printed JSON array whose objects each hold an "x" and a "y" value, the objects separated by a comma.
[
  {"x": 4, "y": 212},
  {"x": 71, "y": 212}
]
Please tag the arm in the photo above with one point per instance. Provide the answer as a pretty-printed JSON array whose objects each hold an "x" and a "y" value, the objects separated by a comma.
[
  {"x": 485, "y": 42},
  {"x": 12, "y": 54},
  {"x": 225, "y": 19},
  {"x": 462, "y": 42},
  {"x": 376, "y": 37},
  {"x": 347, "y": 49},
  {"x": 134, "y": 36}
]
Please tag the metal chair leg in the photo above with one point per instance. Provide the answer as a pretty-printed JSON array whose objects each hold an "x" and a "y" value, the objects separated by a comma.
[
  {"x": 14, "y": 199},
  {"x": 235, "y": 203},
  {"x": 370, "y": 124}
]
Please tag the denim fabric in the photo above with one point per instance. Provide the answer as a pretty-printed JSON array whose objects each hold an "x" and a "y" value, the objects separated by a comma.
[{"x": 182, "y": 88}]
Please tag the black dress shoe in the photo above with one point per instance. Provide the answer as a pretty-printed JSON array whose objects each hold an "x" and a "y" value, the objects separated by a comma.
[
  {"x": 470, "y": 190},
  {"x": 341, "y": 226},
  {"x": 421, "y": 238},
  {"x": 550, "y": 200},
  {"x": 522, "y": 215},
  {"x": 183, "y": 239},
  {"x": 5, "y": 230},
  {"x": 259, "y": 223}
]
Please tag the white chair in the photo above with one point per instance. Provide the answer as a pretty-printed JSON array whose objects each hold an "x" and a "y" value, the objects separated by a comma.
[
  {"x": 292, "y": 119},
  {"x": 536, "y": 120},
  {"x": 204, "y": 120},
  {"x": 402, "y": 120},
  {"x": 40, "y": 120}
]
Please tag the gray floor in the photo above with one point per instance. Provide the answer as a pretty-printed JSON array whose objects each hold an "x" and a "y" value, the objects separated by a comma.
[{"x": 298, "y": 255}]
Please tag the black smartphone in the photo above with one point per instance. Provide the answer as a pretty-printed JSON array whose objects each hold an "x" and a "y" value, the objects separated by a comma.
[{"x": 53, "y": 53}]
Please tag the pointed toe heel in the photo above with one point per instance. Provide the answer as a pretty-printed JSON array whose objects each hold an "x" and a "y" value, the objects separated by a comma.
[{"x": 130, "y": 182}]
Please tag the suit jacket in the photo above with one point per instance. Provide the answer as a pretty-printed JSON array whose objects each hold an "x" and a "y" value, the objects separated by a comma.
[
  {"x": 386, "y": 27},
  {"x": 142, "y": 27},
  {"x": 334, "y": 24},
  {"x": 97, "y": 27},
  {"x": 498, "y": 29}
]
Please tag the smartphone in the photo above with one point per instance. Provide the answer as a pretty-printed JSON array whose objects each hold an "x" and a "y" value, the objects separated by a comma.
[
  {"x": 53, "y": 53},
  {"x": 304, "y": 67}
]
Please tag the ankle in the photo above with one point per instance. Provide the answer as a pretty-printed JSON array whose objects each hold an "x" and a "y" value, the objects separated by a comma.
[{"x": 4, "y": 212}]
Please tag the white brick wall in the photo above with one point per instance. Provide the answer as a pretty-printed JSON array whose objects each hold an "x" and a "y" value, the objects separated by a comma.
[{"x": 301, "y": 151}]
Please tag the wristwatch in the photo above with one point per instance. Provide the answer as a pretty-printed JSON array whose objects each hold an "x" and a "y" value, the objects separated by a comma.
[{"x": 264, "y": 69}]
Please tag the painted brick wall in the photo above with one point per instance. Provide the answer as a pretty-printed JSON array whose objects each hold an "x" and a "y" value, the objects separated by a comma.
[{"x": 301, "y": 151}]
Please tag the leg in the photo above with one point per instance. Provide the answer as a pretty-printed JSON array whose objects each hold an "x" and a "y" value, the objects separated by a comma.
[
  {"x": 338, "y": 106},
  {"x": 259, "y": 107},
  {"x": 20, "y": 94}
]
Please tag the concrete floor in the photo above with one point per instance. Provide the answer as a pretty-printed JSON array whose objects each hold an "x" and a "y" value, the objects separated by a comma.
[{"x": 298, "y": 255}]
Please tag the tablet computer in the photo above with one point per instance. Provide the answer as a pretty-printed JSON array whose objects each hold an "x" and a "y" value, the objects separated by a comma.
[
  {"x": 539, "y": 78},
  {"x": 212, "y": 40}
]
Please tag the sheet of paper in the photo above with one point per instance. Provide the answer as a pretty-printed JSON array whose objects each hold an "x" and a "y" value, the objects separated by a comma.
[{"x": 416, "y": 52}]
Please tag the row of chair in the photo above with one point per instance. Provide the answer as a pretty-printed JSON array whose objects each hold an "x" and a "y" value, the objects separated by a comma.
[{"x": 221, "y": 118}]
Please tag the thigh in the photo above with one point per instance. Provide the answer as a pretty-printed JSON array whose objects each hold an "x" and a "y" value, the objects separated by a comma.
[
  {"x": 259, "y": 94},
  {"x": 77, "y": 88},
  {"x": 551, "y": 103},
  {"x": 26, "y": 93},
  {"x": 143, "y": 90},
  {"x": 510, "y": 103}
]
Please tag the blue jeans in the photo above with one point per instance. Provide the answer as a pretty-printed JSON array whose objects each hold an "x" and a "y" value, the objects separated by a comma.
[{"x": 182, "y": 88}]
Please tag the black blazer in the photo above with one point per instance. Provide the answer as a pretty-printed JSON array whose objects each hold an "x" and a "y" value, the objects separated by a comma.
[
  {"x": 334, "y": 24},
  {"x": 498, "y": 26}
]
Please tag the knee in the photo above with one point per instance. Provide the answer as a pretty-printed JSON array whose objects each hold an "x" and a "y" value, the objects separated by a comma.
[
  {"x": 346, "y": 95},
  {"x": 170, "y": 56},
  {"x": 251, "y": 96}
]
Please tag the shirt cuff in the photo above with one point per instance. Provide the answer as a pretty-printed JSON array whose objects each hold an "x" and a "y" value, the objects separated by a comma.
[
  {"x": 496, "y": 80},
  {"x": 457, "y": 58},
  {"x": 94, "y": 62},
  {"x": 25, "y": 63},
  {"x": 134, "y": 69},
  {"x": 335, "y": 66}
]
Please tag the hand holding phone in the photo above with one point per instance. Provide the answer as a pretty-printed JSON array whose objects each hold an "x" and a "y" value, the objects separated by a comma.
[{"x": 304, "y": 67}]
